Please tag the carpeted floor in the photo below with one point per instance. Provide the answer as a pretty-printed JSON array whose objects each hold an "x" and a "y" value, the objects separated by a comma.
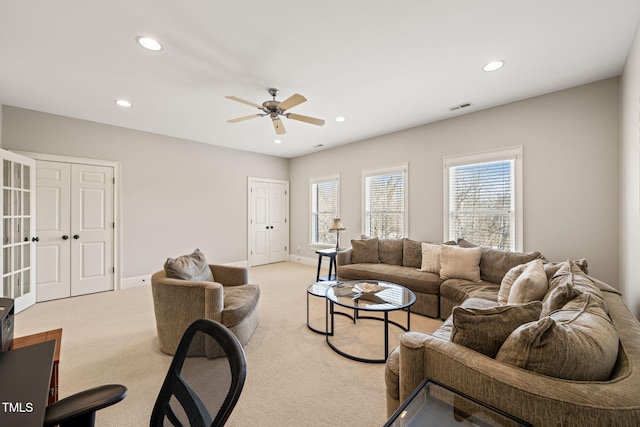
[{"x": 293, "y": 377}]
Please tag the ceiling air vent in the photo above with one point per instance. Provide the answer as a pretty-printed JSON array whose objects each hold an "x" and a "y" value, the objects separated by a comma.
[
  {"x": 318, "y": 146},
  {"x": 460, "y": 107}
]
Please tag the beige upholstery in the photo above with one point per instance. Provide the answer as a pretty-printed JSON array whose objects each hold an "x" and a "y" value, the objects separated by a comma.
[{"x": 229, "y": 300}]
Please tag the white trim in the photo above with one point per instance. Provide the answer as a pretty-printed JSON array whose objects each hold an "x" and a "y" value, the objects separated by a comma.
[
  {"x": 365, "y": 173},
  {"x": 508, "y": 153},
  {"x": 316, "y": 180},
  {"x": 117, "y": 210}
]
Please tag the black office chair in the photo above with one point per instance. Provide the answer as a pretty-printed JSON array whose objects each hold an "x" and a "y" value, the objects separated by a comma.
[
  {"x": 202, "y": 391},
  {"x": 79, "y": 410}
]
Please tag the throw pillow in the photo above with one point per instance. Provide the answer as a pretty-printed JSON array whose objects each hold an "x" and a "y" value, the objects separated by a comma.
[
  {"x": 580, "y": 345},
  {"x": 570, "y": 272},
  {"x": 495, "y": 263},
  {"x": 485, "y": 329},
  {"x": 460, "y": 263},
  {"x": 193, "y": 267},
  {"x": 430, "y": 258},
  {"x": 558, "y": 297},
  {"x": 390, "y": 251},
  {"x": 531, "y": 285},
  {"x": 507, "y": 283},
  {"x": 412, "y": 253},
  {"x": 365, "y": 251}
]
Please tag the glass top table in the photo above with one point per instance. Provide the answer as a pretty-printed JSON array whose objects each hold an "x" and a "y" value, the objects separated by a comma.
[
  {"x": 434, "y": 404},
  {"x": 367, "y": 296}
]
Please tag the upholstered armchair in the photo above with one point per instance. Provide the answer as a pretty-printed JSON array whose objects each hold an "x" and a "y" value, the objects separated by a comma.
[{"x": 226, "y": 298}]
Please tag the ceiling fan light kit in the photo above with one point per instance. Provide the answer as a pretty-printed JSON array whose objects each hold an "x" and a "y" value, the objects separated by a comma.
[{"x": 276, "y": 109}]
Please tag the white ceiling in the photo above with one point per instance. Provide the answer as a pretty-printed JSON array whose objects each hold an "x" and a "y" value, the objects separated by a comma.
[{"x": 384, "y": 65}]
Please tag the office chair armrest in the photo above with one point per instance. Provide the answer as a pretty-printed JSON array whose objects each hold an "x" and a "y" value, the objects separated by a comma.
[{"x": 83, "y": 405}]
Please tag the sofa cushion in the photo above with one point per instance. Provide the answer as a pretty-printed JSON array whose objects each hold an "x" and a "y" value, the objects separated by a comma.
[
  {"x": 575, "y": 344},
  {"x": 495, "y": 263},
  {"x": 412, "y": 253},
  {"x": 531, "y": 285},
  {"x": 390, "y": 251},
  {"x": 507, "y": 282},
  {"x": 192, "y": 267},
  {"x": 458, "y": 290},
  {"x": 558, "y": 297},
  {"x": 551, "y": 268},
  {"x": 238, "y": 303},
  {"x": 460, "y": 263},
  {"x": 365, "y": 251},
  {"x": 430, "y": 258},
  {"x": 570, "y": 272},
  {"x": 485, "y": 329},
  {"x": 409, "y": 277}
]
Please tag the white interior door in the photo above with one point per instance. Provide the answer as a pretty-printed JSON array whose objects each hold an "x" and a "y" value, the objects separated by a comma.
[
  {"x": 18, "y": 254},
  {"x": 53, "y": 205},
  {"x": 259, "y": 227},
  {"x": 76, "y": 233},
  {"x": 278, "y": 227},
  {"x": 268, "y": 221},
  {"x": 92, "y": 228}
]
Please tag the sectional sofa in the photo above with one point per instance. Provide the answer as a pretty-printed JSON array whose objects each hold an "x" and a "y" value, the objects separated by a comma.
[{"x": 542, "y": 341}]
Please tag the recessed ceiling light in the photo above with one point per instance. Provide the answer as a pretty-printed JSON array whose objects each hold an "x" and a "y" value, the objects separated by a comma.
[
  {"x": 123, "y": 103},
  {"x": 493, "y": 65},
  {"x": 149, "y": 43},
  {"x": 340, "y": 119},
  {"x": 277, "y": 141}
]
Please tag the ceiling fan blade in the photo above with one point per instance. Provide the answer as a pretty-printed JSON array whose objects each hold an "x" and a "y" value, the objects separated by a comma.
[
  {"x": 306, "y": 119},
  {"x": 292, "y": 101},
  {"x": 240, "y": 119},
  {"x": 235, "y": 98},
  {"x": 279, "y": 126}
]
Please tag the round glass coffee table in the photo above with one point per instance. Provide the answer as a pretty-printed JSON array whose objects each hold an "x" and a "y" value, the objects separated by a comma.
[{"x": 367, "y": 296}]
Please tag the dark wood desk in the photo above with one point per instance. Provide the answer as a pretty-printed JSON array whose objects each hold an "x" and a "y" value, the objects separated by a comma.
[{"x": 25, "y": 374}]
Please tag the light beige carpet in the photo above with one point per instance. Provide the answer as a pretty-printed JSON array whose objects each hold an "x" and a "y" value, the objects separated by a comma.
[{"x": 293, "y": 377}]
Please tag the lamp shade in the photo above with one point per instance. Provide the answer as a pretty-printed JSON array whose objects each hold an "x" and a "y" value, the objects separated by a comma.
[{"x": 337, "y": 225}]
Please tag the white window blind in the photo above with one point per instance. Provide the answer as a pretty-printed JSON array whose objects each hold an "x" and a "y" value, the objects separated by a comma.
[
  {"x": 482, "y": 202},
  {"x": 385, "y": 201},
  {"x": 324, "y": 208}
]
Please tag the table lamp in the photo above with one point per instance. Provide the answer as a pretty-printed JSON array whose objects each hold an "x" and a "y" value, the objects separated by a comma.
[{"x": 337, "y": 227}]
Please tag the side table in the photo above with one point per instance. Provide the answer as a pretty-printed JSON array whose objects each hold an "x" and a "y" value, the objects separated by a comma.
[
  {"x": 333, "y": 267},
  {"x": 434, "y": 404},
  {"x": 53, "y": 335}
]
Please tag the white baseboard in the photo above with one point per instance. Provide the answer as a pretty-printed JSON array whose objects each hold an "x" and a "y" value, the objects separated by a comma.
[
  {"x": 134, "y": 282},
  {"x": 303, "y": 260}
]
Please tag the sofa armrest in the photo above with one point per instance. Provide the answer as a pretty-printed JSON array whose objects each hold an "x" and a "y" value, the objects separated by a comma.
[
  {"x": 344, "y": 257},
  {"x": 230, "y": 275},
  {"x": 535, "y": 398}
]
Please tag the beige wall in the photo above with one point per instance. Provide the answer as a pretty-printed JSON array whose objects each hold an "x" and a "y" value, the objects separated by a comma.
[
  {"x": 177, "y": 195},
  {"x": 630, "y": 179},
  {"x": 570, "y": 142}
]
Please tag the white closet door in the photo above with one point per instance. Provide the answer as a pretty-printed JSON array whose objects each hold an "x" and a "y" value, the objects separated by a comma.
[
  {"x": 278, "y": 227},
  {"x": 75, "y": 229},
  {"x": 92, "y": 228},
  {"x": 268, "y": 221},
  {"x": 53, "y": 250}
]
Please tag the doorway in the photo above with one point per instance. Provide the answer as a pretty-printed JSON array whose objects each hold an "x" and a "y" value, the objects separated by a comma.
[{"x": 268, "y": 221}]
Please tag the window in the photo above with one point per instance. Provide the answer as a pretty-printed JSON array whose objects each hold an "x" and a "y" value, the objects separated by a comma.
[
  {"x": 385, "y": 202},
  {"x": 324, "y": 208},
  {"x": 483, "y": 198}
]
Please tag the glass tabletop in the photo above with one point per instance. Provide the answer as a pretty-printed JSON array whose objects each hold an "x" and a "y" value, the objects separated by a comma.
[{"x": 371, "y": 295}]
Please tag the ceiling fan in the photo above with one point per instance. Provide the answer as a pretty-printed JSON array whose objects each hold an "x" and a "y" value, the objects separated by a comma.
[{"x": 275, "y": 109}]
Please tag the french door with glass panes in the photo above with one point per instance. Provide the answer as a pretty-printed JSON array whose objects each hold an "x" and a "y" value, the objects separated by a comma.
[{"x": 18, "y": 226}]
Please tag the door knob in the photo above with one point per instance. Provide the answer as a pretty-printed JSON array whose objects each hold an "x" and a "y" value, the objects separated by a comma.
[
  {"x": 35, "y": 239},
  {"x": 65, "y": 237},
  {"x": 75, "y": 236},
  {"x": 26, "y": 239}
]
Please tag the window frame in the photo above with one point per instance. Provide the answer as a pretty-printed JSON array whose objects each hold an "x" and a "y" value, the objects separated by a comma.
[
  {"x": 314, "y": 181},
  {"x": 367, "y": 173},
  {"x": 503, "y": 154}
]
